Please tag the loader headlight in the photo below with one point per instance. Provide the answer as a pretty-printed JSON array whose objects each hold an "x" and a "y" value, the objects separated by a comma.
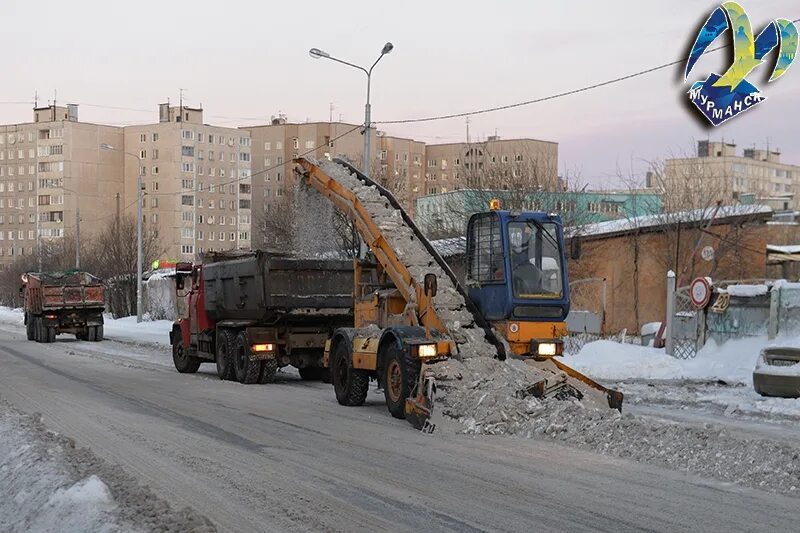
[
  {"x": 426, "y": 350},
  {"x": 546, "y": 348}
]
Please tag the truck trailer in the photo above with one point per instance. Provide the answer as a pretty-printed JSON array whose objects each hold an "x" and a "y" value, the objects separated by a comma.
[
  {"x": 251, "y": 313},
  {"x": 63, "y": 302}
]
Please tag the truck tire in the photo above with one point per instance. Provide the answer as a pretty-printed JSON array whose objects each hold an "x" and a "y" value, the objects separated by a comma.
[
  {"x": 91, "y": 334},
  {"x": 29, "y": 328},
  {"x": 51, "y": 334},
  {"x": 350, "y": 385},
  {"x": 269, "y": 368},
  {"x": 98, "y": 333},
  {"x": 311, "y": 373},
  {"x": 82, "y": 334},
  {"x": 225, "y": 340},
  {"x": 38, "y": 332},
  {"x": 400, "y": 374},
  {"x": 184, "y": 363},
  {"x": 247, "y": 371}
]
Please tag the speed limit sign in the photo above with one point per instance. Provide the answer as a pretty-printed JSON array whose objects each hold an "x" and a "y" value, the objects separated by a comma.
[{"x": 700, "y": 292}]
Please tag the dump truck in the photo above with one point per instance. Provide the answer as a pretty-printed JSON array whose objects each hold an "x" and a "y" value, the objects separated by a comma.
[
  {"x": 63, "y": 302},
  {"x": 251, "y": 313},
  {"x": 514, "y": 305}
]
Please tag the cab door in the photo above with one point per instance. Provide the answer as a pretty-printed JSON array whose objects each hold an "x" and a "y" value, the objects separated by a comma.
[{"x": 487, "y": 274}]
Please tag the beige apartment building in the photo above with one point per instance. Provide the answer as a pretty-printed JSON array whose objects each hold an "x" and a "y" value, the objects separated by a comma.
[
  {"x": 51, "y": 170},
  {"x": 401, "y": 169},
  {"x": 196, "y": 182},
  {"x": 492, "y": 164},
  {"x": 719, "y": 173},
  {"x": 275, "y": 145}
]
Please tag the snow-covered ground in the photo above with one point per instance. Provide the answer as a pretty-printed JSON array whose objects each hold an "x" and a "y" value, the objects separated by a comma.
[
  {"x": 120, "y": 329},
  {"x": 731, "y": 363}
]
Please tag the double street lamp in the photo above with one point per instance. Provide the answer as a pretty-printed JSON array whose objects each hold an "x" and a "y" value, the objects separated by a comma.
[
  {"x": 316, "y": 53},
  {"x": 139, "y": 247}
]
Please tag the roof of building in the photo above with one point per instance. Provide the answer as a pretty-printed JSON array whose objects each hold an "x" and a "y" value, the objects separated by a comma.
[
  {"x": 725, "y": 213},
  {"x": 781, "y": 249},
  {"x": 464, "y": 143}
]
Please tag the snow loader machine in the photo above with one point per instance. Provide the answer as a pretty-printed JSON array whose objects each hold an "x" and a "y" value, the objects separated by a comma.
[{"x": 411, "y": 311}]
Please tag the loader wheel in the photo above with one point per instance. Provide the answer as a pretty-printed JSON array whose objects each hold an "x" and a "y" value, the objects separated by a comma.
[
  {"x": 225, "y": 342},
  {"x": 311, "y": 373},
  {"x": 184, "y": 363},
  {"x": 399, "y": 378},
  {"x": 268, "y": 369},
  {"x": 351, "y": 385},
  {"x": 29, "y": 331},
  {"x": 247, "y": 371}
]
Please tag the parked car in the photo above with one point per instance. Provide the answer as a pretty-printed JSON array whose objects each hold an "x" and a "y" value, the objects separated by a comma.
[{"x": 777, "y": 372}]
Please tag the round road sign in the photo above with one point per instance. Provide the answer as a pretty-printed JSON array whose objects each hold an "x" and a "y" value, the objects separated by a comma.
[
  {"x": 700, "y": 291},
  {"x": 707, "y": 253}
]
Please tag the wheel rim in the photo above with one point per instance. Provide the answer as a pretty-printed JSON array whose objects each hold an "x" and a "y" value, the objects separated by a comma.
[
  {"x": 394, "y": 381},
  {"x": 179, "y": 355}
]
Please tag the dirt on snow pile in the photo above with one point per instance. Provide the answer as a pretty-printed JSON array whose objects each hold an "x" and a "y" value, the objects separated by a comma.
[
  {"x": 486, "y": 397},
  {"x": 47, "y": 485}
]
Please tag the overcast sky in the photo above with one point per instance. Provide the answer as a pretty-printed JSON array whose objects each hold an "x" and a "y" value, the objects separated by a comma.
[{"x": 247, "y": 60}]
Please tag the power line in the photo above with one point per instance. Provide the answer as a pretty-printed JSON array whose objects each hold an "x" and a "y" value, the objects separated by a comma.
[{"x": 552, "y": 96}]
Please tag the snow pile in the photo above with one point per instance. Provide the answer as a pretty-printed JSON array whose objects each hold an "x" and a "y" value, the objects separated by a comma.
[
  {"x": 128, "y": 330},
  {"x": 46, "y": 485},
  {"x": 732, "y": 361},
  {"x": 488, "y": 397}
]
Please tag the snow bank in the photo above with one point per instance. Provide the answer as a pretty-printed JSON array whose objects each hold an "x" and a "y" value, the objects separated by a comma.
[
  {"x": 128, "y": 330},
  {"x": 732, "y": 361},
  {"x": 47, "y": 485},
  {"x": 36, "y": 492}
]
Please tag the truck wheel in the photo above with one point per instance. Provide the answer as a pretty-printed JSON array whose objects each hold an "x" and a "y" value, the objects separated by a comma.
[
  {"x": 311, "y": 373},
  {"x": 29, "y": 331},
  {"x": 37, "y": 329},
  {"x": 399, "y": 379},
  {"x": 81, "y": 335},
  {"x": 91, "y": 334},
  {"x": 98, "y": 333},
  {"x": 268, "y": 369},
  {"x": 351, "y": 385},
  {"x": 184, "y": 363},
  {"x": 51, "y": 334},
  {"x": 224, "y": 348},
  {"x": 247, "y": 371}
]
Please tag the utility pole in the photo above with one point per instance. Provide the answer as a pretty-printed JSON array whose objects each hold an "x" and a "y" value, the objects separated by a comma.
[
  {"x": 139, "y": 251},
  {"x": 77, "y": 235}
]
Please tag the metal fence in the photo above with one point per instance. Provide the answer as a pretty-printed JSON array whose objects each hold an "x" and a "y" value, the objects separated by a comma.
[{"x": 685, "y": 326}]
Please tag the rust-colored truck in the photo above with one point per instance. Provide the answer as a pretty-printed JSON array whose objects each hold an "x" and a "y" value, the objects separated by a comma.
[{"x": 63, "y": 302}]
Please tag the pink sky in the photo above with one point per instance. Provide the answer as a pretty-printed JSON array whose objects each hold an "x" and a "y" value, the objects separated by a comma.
[{"x": 245, "y": 61}]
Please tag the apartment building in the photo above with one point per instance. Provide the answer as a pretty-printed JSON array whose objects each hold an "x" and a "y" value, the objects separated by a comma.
[
  {"x": 52, "y": 170},
  {"x": 492, "y": 164},
  {"x": 401, "y": 169},
  {"x": 196, "y": 182},
  {"x": 275, "y": 145},
  {"x": 719, "y": 173}
]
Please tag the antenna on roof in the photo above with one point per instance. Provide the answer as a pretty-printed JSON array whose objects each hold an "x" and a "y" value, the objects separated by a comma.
[{"x": 35, "y": 99}]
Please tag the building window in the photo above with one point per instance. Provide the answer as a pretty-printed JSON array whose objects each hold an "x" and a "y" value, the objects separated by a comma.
[
  {"x": 187, "y": 249},
  {"x": 187, "y": 151},
  {"x": 187, "y": 134},
  {"x": 142, "y": 154},
  {"x": 187, "y": 199},
  {"x": 143, "y": 138}
]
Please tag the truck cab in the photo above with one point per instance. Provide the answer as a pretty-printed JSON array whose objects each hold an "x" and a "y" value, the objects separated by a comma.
[{"x": 517, "y": 276}]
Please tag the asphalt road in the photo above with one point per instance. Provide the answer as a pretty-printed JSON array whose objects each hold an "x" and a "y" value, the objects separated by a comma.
[{"x": 287, "y": 457}]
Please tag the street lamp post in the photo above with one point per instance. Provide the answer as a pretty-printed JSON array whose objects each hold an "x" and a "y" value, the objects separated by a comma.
[
  {"x": 139, "y": 246},
  {"x": 316, "y": 53}
]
